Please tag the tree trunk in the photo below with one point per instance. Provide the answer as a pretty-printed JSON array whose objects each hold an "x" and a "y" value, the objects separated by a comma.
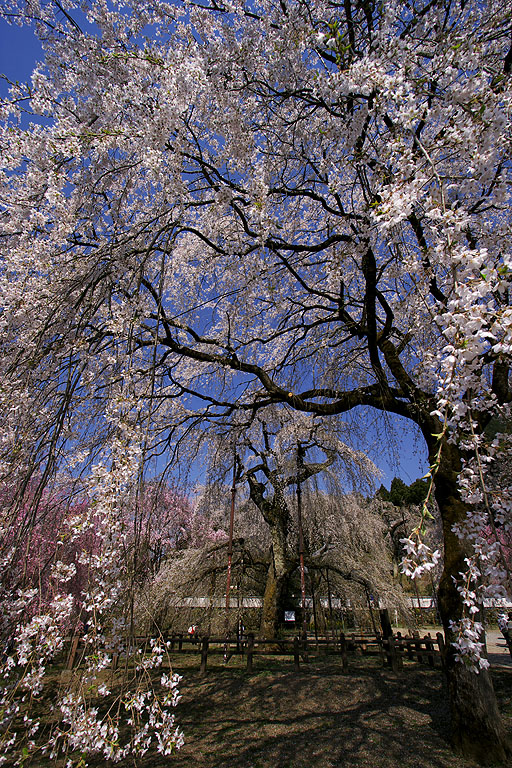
[
  {"x": 277, "y": 580},
  {"x": 275, "y": 590},
  {"x": 476, "y": 726}
]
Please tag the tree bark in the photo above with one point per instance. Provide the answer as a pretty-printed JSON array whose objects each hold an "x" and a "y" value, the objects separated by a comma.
[
  {"x": 476, "y": 726},
  {"x": 277, "y": 516},
  {"x": 279, "y": 570}
]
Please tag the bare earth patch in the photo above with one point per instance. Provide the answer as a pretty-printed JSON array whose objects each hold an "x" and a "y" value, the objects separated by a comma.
[{"x": 317, "y": 718}]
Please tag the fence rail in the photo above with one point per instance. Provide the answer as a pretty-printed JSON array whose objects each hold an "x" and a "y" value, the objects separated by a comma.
[{"x": 392, "y": 650}]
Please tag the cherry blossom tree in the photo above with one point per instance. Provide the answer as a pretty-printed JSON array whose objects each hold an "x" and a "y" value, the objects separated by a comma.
[
  {"x": 159, "y": 519},
  {"x": 277, "y": 452},
  {"x": 69, "y": 569},
  {"x": 346, "y": 555},
  {"x": 221, "y": 207},
  {"x": 349, "y": 552}
]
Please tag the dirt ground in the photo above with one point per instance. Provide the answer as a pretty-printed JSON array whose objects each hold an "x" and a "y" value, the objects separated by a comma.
[{"x": 317, "y": 718}]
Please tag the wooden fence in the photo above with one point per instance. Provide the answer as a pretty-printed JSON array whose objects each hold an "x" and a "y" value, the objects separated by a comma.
[{"x": 392, "y": 650}]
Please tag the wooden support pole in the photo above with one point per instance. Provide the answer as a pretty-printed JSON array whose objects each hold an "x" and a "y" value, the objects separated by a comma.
[
  {"x": 296, "y": 654},
  {"x": 331, "y": 620},
  {"x": 315, "y": 619},
  {"x": 72, "y": 652},
  {"x": 385, "y": 623},
  {"x": 250, "y": 651},
  {"x": 230, "y": 544},
  {"x": 305, "y": 650},
  {"x": 343, "y": 649},
  {"x": 301, "y": 541},
  {"x": 442, "y": 650},
  {"x": 204, "y": 654}
]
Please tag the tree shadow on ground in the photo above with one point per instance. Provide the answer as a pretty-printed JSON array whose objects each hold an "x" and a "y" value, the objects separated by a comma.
[{"x": 317, "y": 718}]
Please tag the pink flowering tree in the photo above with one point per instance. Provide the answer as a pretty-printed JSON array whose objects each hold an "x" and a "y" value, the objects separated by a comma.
[
  {"x": 219, "y": 208},
  {"x": 68, "y": 570},
  {"x": 39, "y": 550},
  {"x": 158, "y": 520}
]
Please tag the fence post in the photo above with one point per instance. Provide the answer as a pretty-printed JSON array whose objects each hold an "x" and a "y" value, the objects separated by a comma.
[
  {"x": 381, "y": 640},
  {"x": 180, "y": 642},
  {"x": 385, "y": 652},
  {"x": 394, "y": 657},
  {"x": 204, "y": 654},
  {"x": 305, "y": 649},
  {"x": 417, "y": 646},
  {"x": 250, "y": 651},
  {"x": 343, "y": 649},
  {"x": 296, "y": 659},
  {"x": 401, "y": 647},
  {"x": 429, "y": 645}
]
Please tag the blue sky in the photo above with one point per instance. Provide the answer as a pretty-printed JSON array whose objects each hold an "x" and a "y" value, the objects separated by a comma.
[
  {"x": 396, "y": 453},
  {"x": 19, "y": 52},
  {"x": 400, "y": 452}
]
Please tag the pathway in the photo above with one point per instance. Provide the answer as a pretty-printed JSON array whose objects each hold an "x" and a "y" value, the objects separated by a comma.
[{"x": 497, "y": 651}]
